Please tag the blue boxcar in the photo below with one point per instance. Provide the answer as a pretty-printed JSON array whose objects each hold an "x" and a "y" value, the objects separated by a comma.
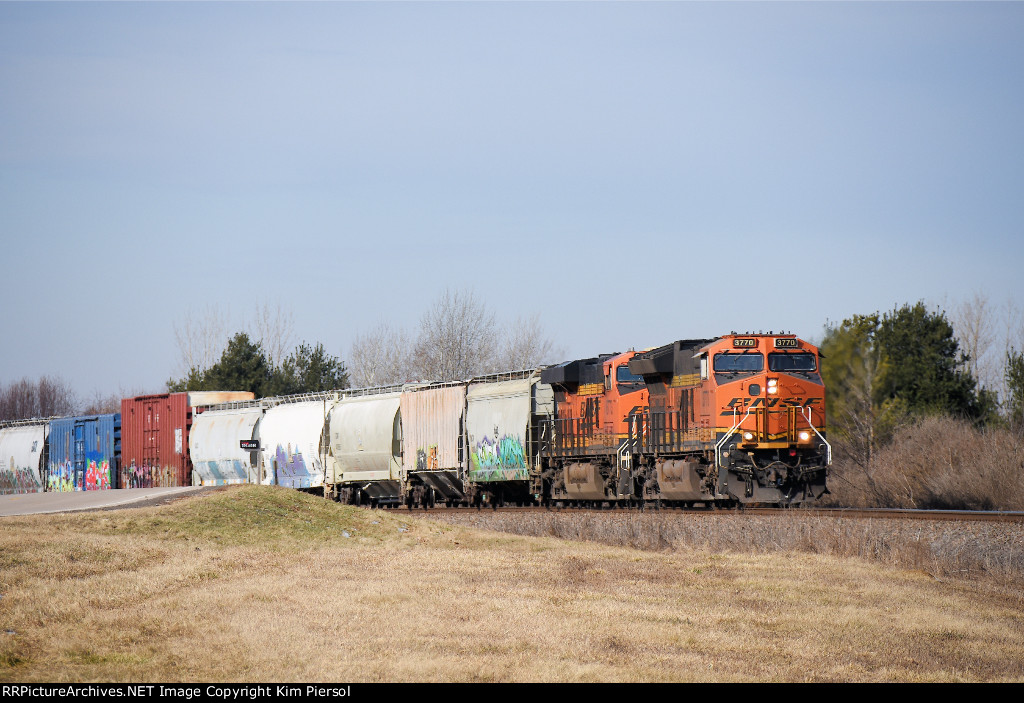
[{"x": 85, "y": 453}]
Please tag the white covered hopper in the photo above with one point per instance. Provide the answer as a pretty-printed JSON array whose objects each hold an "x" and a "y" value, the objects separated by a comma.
[
  {"x": 214, "y": 445},
  {"x": 366, "y": 439},
  {"x": 21, "y": 449},
  {"x": 290, "y": 436}
]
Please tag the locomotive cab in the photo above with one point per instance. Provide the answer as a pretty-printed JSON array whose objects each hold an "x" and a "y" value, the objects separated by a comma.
[{"x": 770, "y": 441}]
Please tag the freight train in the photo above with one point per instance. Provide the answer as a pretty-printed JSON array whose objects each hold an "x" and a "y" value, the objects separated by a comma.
[{"x": 733, "y": 420}]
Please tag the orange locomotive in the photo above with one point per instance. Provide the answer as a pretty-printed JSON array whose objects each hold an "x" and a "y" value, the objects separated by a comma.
[
  {"x": 596, "y": 403},
  {"x": 734, "y": 420}
]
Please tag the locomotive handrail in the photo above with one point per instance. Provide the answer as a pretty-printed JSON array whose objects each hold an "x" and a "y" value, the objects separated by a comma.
[
  {"x": 624, "y": 458},
  {"x": 828, "y": 447},
  {"x": 728, "y": 435}
]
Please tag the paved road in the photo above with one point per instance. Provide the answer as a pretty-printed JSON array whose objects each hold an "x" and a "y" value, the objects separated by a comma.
[{"x": 32, "y": 503}]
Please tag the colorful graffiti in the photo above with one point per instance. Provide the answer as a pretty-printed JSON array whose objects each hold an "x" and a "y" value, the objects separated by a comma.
[
  {"x": 223, "y": 472},
  {"x": 98, "y": 476},
  {"x": 291, "y": 468},
  {"x": 14, "y": 479},
  {"x": 427, "y": 460},
  {"x": 146, "y": 476},
  {"x": 499, "y": 458},
  {"x": 63, "y": 478}
]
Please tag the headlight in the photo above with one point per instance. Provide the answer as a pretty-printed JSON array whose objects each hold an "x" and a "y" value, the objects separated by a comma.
[
  {"x": 773, "y": 385},
  {"x": 748, "y": 436},
  {"x": 804, "y": 435}
]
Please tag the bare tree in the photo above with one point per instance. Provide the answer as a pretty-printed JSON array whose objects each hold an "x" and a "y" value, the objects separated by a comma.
[
  {"x": 862, "y": 425},
  {"x": 974, "y": 322},
  {"x": 47, "y": 397},
  {"x": 525, "y": 346},
  {"x": 1012, "y": 324},
  {"x": 102, "y": 404},
  {"x": 56, "y": 397},
  {"x": 457, "y": 339},
  {"x": 201, "y": 336},
  {"x": 380, "y": 357},
  {"x": 273, "y": 328},
  {"x": 18, "y": 400}
]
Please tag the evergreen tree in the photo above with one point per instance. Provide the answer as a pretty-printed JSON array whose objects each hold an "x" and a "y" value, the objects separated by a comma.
[
  {"x": 1015, "y": 389},
  {"x": 309, "y": 369},
  {"x": 925, "y": 367},
  {"x": 242, "y": 367},
  {"x": 907, "y": 360}
]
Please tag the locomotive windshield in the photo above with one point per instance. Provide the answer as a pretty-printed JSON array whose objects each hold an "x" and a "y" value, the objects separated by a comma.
[
  {"x": 731, "y": 362},
  {"x": 792, "y": 362},
  {"x": 628, "y": 381}
]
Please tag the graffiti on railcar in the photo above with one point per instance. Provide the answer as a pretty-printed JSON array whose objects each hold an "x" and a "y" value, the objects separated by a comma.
[
  {"x": 426, "y": 460},
  {"x": 221, "y": 472},
  {"x": 61, "y": 478},
  {"x": 98, "y": 476},
  {"x": 146, "y": 476},
  {"x": 15, "y": 479},
  {"x": 291, "y": 467},
  {"x": 499, "y": 458}
]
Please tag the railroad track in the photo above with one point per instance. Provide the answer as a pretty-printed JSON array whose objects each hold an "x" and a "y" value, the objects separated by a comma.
[
  {"x": 906, "y": 514},
  {"x": 861, "y": 513}
]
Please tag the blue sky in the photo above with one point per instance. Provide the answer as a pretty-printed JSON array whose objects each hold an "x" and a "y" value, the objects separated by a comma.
[{"x": 634, "y": 172}]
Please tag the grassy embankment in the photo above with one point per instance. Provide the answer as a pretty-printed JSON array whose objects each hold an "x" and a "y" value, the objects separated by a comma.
[{"x": 271, "y": 585}]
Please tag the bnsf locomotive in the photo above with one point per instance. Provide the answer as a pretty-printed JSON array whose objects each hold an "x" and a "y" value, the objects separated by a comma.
[{"x": 734, "y": 420}]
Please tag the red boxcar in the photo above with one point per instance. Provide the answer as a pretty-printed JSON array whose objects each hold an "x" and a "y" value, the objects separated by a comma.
[{"x": 154, "y": 441}]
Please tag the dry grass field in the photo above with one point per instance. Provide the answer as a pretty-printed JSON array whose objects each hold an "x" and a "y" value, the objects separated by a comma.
[
  {"x": 992, "y": 551},
  {"x": 262, "y": 584}
]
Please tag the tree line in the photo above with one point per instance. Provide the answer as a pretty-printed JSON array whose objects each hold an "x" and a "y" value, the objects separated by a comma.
[
  {"x": 458, "y": 337},
  {"x": 892, "y": 378}
]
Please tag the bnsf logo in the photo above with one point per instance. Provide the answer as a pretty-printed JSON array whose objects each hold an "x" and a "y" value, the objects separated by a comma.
[{"x": 744, "y": 403}]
